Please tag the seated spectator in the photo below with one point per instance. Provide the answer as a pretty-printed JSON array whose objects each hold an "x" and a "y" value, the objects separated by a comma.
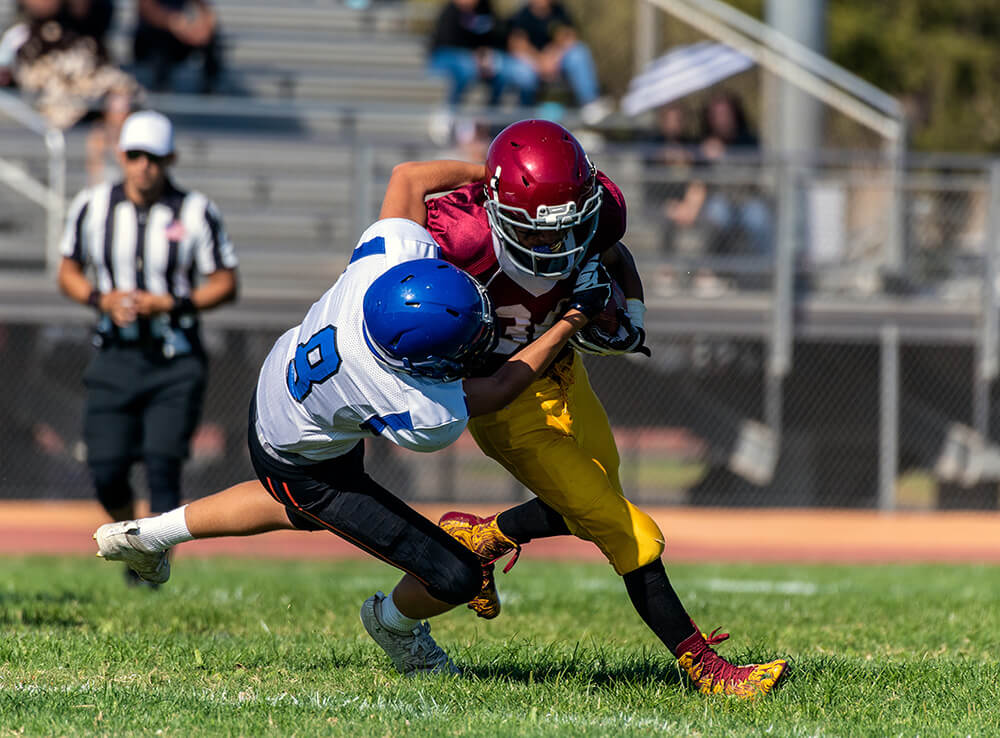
[
  {"x": 669, "y": 156},
  {"x": 744, "y": 215},
  {"x": 92, "y": 19},
  {"x": 67, "y": 74},
  {"x": 738, "y": 220},
  {"x": 542, "y": 35},
  {"x": 468, "y": 44},
  {"x": 170, "y": 31}
]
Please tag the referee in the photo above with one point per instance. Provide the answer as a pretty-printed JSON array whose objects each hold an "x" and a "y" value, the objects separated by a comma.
[{"x": 133, "y": 251}]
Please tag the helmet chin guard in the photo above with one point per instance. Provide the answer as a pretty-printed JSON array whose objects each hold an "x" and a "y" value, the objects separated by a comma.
[{"x": 542, "y": 197}]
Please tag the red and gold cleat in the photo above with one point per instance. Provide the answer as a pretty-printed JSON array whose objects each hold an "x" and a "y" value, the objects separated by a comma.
[
  {"x": 712, "y": 674},
  {"x": 482, "y": 536}
]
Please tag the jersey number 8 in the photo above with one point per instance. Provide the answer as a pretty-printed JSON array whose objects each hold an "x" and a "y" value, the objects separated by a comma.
[{"x": 315, "y": 361}]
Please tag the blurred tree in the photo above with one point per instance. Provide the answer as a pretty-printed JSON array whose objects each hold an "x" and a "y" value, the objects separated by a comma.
[{"x": 940, "y": 57}]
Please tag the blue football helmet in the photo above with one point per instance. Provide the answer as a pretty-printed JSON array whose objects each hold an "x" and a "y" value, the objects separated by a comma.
[{"x": 428, "y": 318}]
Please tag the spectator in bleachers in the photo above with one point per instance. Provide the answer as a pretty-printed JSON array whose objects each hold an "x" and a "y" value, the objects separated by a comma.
[
  {"x": 671, "y": 152},
  {"x": 543, "y": 35},
  {"x": 91, "y": 19},
  {"x": 702, "y": 216},
  {"x": 170, "y": 31},
  {"x": 62, "y": 67},
  {"x": 741, "y": 217},
  {"x": 468, "y": 45}
]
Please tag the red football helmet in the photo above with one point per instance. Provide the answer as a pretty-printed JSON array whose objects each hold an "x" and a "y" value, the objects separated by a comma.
[{"x": 542, "y": 197}]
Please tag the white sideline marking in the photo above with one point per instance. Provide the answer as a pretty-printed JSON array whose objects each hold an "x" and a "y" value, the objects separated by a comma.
[{"x": 761, "y": 586}]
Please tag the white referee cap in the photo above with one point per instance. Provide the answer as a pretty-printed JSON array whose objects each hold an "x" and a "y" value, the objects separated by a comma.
[{"x": 147, "y": 131}]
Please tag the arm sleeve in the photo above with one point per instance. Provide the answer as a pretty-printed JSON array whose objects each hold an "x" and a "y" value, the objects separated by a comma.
[
  {"x": 612, "y": 221},
  {"x": 73, "y": 243},
  {"x": 214, "y": 250},
  {"x": 398, "y": 239},
  {"x": 426, "y": 439}
]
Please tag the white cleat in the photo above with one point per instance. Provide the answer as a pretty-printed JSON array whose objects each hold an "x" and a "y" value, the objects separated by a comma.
[
  {"x": 412, "y": 653},
  {"x": 119, "y": 542}
]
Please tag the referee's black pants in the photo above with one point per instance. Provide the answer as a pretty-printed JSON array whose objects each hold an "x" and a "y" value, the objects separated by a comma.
[{"x": 140, "y": 406}]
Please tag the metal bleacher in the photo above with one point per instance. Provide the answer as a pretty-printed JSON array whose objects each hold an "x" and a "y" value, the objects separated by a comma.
[{"x": 309, "y": 88}]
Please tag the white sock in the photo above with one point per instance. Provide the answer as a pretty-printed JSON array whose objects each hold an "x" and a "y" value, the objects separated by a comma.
[
  {"x": 164, "y": 531},
  {"x": 390, "y": 616}
]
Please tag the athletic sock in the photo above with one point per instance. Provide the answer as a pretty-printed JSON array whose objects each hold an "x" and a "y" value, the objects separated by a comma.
[
  {"x": 533, "y": 519},
  {"x": 390, "y": 616},
  {"x": 657, "y": 604},
  {"x": 164, "y": 531}
]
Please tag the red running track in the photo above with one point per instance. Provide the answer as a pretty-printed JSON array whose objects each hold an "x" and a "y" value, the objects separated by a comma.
[{"x": 692, "y": 534}]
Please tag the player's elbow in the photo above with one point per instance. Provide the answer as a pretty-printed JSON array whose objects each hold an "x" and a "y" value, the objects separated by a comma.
[{"x": 405, "y": 172}]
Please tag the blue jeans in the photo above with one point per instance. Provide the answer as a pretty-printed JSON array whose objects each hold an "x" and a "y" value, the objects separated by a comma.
[
  {"x": 576, "y": 66},
  {"x": 752, "y": 217},
  {"x": 460, "y": 66}
]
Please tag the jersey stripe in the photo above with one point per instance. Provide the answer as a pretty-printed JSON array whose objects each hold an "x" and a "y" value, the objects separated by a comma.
[
  {"x": 397, "y": 421},
  {"x": 368, "y": 248},
  {"x": 78, "y": 254},
  {"x": 117, "y": 196},
  {"x": 140, "y": 249},
  {"x": 164, "y": 250},
  {"x": 213, "y": 226}
]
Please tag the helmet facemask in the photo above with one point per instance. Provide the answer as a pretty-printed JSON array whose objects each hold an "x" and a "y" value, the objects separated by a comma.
[{"x": 545, "y": 244}]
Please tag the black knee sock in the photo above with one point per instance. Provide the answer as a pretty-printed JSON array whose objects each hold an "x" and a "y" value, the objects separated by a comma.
[
  {"x": 533, "y": 519},
  {"x": 657, "y": 604}
]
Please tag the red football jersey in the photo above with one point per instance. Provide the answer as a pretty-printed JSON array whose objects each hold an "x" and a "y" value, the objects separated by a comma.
[{"x": 458, "y": 223}]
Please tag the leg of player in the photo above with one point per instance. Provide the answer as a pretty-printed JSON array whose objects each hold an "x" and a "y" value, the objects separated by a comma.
[
  {"x": 648, "y": 588},
  {"x": 396, "y": 623},
  {"x": 242, "y": 510},
  {"x": 576, "y": 481}
]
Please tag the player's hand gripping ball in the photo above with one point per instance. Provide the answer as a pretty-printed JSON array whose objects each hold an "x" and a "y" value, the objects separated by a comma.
[{"x": 617, "y": 329}]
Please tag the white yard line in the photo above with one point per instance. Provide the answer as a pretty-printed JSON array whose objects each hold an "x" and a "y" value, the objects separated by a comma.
[{"x": 760, "y": 586}]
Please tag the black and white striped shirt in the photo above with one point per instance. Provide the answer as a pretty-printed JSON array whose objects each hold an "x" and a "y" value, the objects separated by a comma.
[{"x": 161, "y": 249}]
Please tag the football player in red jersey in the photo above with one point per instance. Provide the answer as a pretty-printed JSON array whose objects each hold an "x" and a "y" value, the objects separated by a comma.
[{"x": 522, "y": 225}]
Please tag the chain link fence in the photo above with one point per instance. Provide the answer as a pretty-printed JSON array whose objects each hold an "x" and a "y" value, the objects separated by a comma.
[{"x": 695, "y": 424}]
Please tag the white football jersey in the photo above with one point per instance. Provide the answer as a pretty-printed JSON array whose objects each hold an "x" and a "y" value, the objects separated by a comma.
[{"x": 320, "y": 389}]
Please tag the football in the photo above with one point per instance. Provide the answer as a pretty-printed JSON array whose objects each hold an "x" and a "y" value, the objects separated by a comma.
[{"x": 607, "y": 320}]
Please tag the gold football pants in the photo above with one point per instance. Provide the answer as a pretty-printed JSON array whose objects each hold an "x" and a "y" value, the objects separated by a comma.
[{"x": 556, "y": 440}]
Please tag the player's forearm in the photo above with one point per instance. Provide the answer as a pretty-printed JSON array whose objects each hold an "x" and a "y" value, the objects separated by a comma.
[
  {"x": 489, "y": 394},
  {"x": 412, "y": 181},
  {"x": 439, "y": 175}
]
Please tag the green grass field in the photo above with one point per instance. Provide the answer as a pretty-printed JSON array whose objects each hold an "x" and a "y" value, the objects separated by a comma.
[{"x": 234, "y": 647}]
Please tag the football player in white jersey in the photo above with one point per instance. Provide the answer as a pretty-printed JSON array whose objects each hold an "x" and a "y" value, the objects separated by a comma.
[{"x": 385, "y": 352}]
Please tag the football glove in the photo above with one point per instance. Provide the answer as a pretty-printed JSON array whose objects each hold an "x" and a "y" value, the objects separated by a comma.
[
  {"x": 592, "y": 289},
  {"x": 629, "y": 338}
]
